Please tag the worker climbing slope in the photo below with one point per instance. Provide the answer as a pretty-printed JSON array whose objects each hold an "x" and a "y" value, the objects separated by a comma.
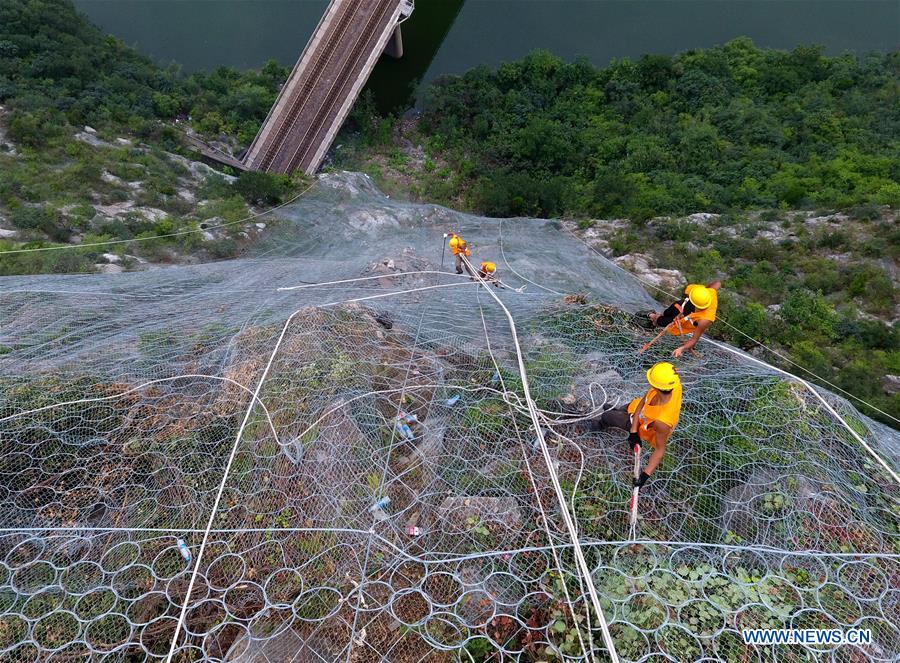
[
  {"x": 651, "y": 418},
  {"x": 488, "y": 272},
  {"x": 692, "y": 316},
  {"x": 460, "y": 250}
]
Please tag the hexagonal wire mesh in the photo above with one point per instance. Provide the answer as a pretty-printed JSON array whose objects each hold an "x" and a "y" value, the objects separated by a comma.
[{"x": 227, "y": 462}]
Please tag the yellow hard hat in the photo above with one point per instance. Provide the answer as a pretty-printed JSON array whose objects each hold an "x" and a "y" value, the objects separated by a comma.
[
  {"x": 662, "y": 376},
  {"x": 454, "y": 240},
  {"x": 488, "y": 267},
  {"x": 700, "y": 296}
]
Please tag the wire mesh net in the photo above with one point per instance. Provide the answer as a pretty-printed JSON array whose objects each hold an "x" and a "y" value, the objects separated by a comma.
[{"x": 228, "y": 462}]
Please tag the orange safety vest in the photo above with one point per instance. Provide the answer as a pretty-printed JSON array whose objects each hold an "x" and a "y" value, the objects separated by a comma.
[
  {"x": 458, "y": 245},
  {"x": 687, "y": 324},
  {"x": 667, "y": 413}
]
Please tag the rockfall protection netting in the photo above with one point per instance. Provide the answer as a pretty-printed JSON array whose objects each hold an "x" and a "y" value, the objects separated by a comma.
[{"x": 355, "y": 474}]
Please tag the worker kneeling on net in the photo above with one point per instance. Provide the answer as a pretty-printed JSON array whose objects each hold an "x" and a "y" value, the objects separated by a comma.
[
  {"x": 460, "y": 250},
  {"x": 651, "y": 418},
  {"x": 487, "y": 271},
  {"x": 692, "y": 316}
]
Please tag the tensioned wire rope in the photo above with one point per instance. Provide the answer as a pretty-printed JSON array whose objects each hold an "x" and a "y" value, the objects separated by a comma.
[
  {"x": 580, "y": 560},
  {"x": 388, "y": 294},
  {"x": 545, "y": 522},
  {"x": 647, "y": 283},
  {"x": 533, "y": 413},
  {"x": 745, "y": 335},
  {"x": 803, "y": 382},
  {"x": 255, "y": 398},
  {"x": 240, "y": 433}
]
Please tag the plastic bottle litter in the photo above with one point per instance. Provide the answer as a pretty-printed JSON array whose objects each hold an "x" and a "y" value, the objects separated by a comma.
[
  {"x": 403, "y": 428},
  {"x": 184, "y": 550},
  {"x": 453, "y": 400},
  {"x": 380, "y": 504},
  {"x": 413, "y": 531},
  {"x": 495, "y": 378}
]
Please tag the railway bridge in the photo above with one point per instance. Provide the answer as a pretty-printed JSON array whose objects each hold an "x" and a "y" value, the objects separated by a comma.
[{"x": 325, "y": 82}]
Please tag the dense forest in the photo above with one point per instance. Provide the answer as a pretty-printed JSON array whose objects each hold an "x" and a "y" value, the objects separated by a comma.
[
  {"x": 728, "y": 127},
  {"x": 58, "y": 69}
]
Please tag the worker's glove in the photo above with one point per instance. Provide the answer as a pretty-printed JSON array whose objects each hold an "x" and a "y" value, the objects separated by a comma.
[
  {"x": 641, "y": 480},
  {"x": 633, "y": 439}
]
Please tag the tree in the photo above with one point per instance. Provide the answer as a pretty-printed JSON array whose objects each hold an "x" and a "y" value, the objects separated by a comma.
[{"x": 261, "y": 188}]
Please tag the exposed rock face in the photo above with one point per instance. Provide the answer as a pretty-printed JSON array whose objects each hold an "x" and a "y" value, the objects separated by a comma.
[
  {"x": 406, "y": 261},
  {"x": 598, "y": 235},
  {"x": 702, "y": 217},
  {"x": 90, "y": 137},
  {"x": 645, "y": 268},
  {"x": 109, "y": 178},
  {"x": 891, "y": 384},
  {"x": 128, "y": 207}
]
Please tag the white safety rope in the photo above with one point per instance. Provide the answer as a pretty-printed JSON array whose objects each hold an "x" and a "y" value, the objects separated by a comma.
[
  {"x": 580, "y": 560},
  {"x": 803, "y": 382}
]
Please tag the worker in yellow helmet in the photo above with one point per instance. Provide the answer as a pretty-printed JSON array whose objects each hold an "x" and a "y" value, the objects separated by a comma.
[
  {"x": 487, "y": 271},
  {"x": 692, "y": 316},
  {"x": 460, "y": 250},
  {"x": 651, "y": 418}
]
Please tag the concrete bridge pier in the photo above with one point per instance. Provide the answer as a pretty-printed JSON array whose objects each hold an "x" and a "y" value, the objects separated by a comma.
[{"x": 394, "y": 46}]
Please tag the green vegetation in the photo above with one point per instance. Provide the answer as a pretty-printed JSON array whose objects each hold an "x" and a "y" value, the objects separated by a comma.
[
  {"x": 731, "y": 127},
  {"x": 61, "y": 183},
  {"x": 747, "y": 133},
  {"x": 827, "y": 309}
]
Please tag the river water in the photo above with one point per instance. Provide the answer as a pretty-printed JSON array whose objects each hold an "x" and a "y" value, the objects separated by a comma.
[{"x": 450, "y": 36}]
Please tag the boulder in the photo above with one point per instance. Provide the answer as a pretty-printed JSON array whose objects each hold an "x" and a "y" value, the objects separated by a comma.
[
  {"x": 645, "y": 268},
  {"x": 115, "y": 209},
  {"x": 891, "y": 384},
  {"x": 91, "y": 139}
]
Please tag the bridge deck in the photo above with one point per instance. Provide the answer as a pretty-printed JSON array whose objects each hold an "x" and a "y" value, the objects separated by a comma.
[{"x": 323, "y": 85}]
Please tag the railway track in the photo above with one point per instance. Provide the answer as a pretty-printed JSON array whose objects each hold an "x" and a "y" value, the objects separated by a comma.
[
  {"x": 319, "y": 126},
  {"x": 357, "y": 28},
  {"x": 300, "y": 96}
]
